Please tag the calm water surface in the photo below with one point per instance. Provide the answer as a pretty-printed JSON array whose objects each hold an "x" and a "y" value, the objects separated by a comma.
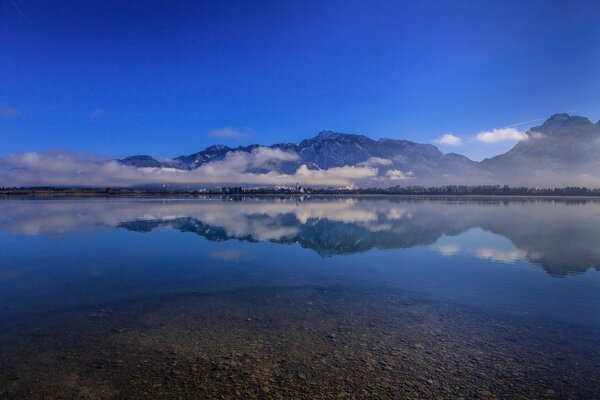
[{"x": 308, "y": 297}]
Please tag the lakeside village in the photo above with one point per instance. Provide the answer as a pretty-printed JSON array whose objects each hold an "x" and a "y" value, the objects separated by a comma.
[{"x": 449, "y": 190}]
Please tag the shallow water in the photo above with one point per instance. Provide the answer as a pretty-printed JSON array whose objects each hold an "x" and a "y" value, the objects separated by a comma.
[{"x": 306, "y": 297}]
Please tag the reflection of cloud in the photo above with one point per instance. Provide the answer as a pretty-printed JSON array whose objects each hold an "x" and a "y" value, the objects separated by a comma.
[
  {"x": 259, "y": 219},
  {"x": 448, "y": 249},
  {"x": 261, "y": 230},
  {"x": 557, "y": 234},
  {"x": 226, "y": 255},
  {"x": 333, "y": 211},
  {"x": 500, "y": 255},
  {"x": 382, "y": 227},
  {"x": 500, "y": 135},
  {"x": 395, "y": 213}
]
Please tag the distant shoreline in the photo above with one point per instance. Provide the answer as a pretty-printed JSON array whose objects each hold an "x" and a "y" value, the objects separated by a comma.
[{"x": 430, "y": 193}]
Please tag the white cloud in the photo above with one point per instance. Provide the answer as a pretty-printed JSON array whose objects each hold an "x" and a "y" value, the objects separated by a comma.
[
  {"x": 229, "y": 133},
  {"x": 449, "y": 140},
  {"x": 397, "y": 175},
  {"x": 500, "y": 135},
  {"x": 375, "y": 161},
  {"x": 536, "y": 135}
]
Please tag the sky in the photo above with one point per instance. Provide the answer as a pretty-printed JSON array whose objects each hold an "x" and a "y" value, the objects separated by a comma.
[{"x": 118, "y": 78}]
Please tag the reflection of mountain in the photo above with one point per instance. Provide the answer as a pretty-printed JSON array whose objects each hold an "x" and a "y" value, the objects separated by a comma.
[
  {"x": 328, "y": 238},
  {"x": 559, "y": 235},
  {"x": 215, "y": 233},
  {"x": 556, "y": 235},
  {"x": 560, "y": 244}
]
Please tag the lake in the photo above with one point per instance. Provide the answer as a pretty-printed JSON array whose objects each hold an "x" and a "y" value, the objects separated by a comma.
[{"x": 299, "y": 297}]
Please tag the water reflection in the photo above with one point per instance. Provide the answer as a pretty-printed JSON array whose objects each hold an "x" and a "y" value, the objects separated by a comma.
[
  {"x": 558, "y": 235},
  {"x": 289, "y": 298}
]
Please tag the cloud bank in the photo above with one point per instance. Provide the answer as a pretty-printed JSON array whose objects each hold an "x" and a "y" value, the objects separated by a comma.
[{"x": 261, "y": 167}]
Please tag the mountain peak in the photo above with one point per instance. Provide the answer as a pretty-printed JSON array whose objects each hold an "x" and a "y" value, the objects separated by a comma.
[
  {"x": 141, "y": 160},
  {"x": 558, "y": 117},
  {"x": 216, "y": 147},
  {"x": 329, "y": 135},
  {"x": 564, "y": 121}
]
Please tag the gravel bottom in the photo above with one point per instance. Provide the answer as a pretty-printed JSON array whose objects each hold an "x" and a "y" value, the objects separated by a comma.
[{"x": 294, "y": 343}]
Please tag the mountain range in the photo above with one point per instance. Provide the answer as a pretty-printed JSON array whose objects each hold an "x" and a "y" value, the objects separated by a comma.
[{"x": 563, "y": 151}]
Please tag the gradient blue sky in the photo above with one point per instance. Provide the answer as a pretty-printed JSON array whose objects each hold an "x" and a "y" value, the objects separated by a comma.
[{"x": 124, "y": 77}]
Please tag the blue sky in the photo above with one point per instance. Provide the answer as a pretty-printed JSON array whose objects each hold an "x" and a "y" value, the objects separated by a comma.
[{"x": 169, "y": 78}]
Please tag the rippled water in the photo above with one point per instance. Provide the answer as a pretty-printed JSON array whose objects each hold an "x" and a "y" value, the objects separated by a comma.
[{"x": 306, "y": 297}]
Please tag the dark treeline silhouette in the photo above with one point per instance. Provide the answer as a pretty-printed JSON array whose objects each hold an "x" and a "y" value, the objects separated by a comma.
[
  {"x": 458, "y": 190},
  {"x": 493, "y": 190}
]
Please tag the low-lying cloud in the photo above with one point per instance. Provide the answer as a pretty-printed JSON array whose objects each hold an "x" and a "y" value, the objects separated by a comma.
[{"x": 261, "y": 167}]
